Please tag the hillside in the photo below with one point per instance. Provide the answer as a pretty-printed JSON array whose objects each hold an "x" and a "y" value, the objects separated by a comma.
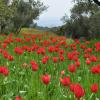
[{"x": 32, "y": 31}]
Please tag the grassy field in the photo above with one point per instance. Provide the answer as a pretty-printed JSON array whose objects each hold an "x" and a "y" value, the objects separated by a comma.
[
  {"x": 32, "y": 31},
  {"x": 48, "y": 67}
]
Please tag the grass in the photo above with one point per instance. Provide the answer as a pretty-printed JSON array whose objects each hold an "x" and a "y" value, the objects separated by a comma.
[
  {"x": 25, "y": 82},
  {"x": 32, "y": 31}
]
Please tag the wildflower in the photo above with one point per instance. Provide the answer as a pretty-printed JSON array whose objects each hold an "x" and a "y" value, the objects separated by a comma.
[
  {"x": 34, "y": 66},
  {"x": 18, "y": 98},
  {"x": 88, "y": 62},
  {"x": 78, "y": 90},
  {"x": 72, "y": 68},
  {"x": 55, "y": 59},
  {"x": 4, "y": 70},
  {"x": 45, "y": 79},
  {"x": 77, "y": 63},
  {"x": 65, "y": 81},
  {"x": 94, "y": 88}
]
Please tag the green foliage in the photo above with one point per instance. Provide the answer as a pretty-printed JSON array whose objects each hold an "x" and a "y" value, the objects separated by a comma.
[
  {"x": 25, "y": 82},
  {"x": 95, "y": 24},
  {"x": 26, "y": 13},
  {"x": 82, "y": 21},
  {"x": 18, "y": 13},
  {"x": 6, "y": 14}
]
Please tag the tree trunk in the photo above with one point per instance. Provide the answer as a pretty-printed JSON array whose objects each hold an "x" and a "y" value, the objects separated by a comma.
[
  {"x": 18, "y": 30},
  {"x": 2, "y": 28}
]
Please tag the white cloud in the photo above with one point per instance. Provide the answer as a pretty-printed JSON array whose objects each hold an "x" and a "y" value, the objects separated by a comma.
[{"x": 56, "y": 10}]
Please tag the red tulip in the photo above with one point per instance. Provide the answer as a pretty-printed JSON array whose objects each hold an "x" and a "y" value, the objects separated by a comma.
[
  {"x": 88, "y": 62},
  {"x": 77, "y": 63},
  {"x": 93, "y": 58},
  {"x": 18, "y": 98},
  {"x": 34, "y": 66},
  {"x": 10, "y": 58},
  {"x": 75, "y": 58},
  {"x": 95, "y": 69},
  {"x": 88, "y": 50},
  {"x": 94, "y": 88},
  {"x": 82, "y": 46},
  {"x": 55, "y": 59},
  {"x": 72, "y": 87},
  {"x": 46, "y": 79},
  {"x": 86, "y": 55},
  {"x": 4, "y": 45},
  {"x": 77, "y": 90},
  {"x": 97, "y": 47},
  {"x": 18, "y": 50},
  {"x": 41, "y": 51},
  {"x": 72, "y": 68},
  {"x": 1, "y": 50},
  {"x": 51, "y": 49},
  {"x": 61, "y": 58},
  {"x": 65, "y": 81},
  {"x": 61, "y": 52},
  {"x": 4, "y": 71},
  {"x": 70, "y": 56}
]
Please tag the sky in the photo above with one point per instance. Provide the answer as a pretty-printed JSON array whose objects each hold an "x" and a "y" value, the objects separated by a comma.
[{"x": 57, "y": 9}]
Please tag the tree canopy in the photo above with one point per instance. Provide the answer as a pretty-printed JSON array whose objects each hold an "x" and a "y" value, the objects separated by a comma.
[
  {"x": 84, "y": 20},
  {"x": 19, "y": 13}
]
